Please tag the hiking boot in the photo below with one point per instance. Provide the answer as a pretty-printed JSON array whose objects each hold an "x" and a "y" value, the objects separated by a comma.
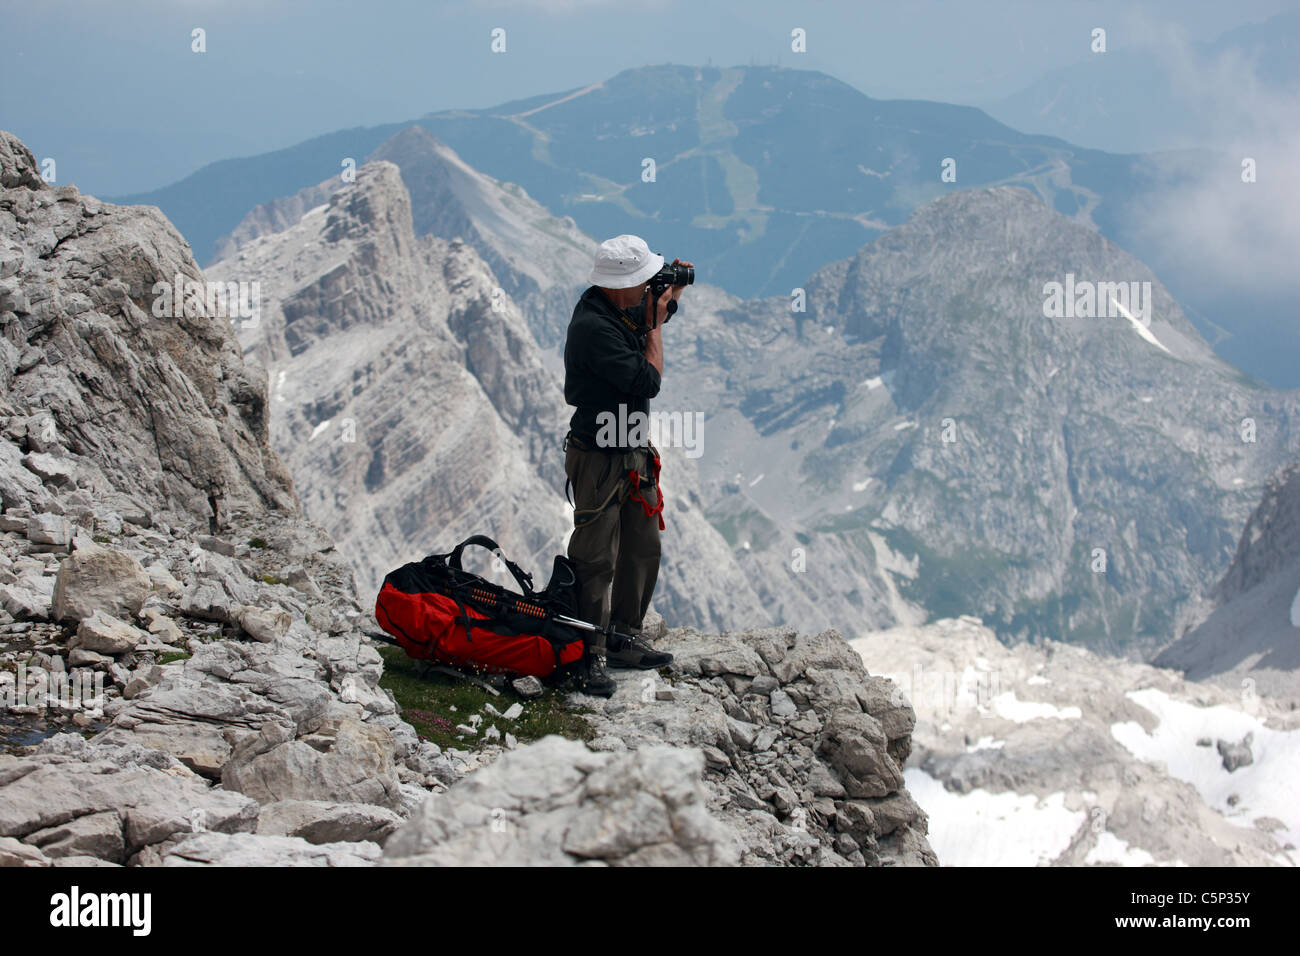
[
  {"x": 636, "y": 652},
  {"x": 595, "y": 679}
]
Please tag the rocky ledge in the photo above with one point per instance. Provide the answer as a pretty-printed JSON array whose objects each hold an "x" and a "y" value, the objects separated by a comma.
[{"x": 178, "y": 698}]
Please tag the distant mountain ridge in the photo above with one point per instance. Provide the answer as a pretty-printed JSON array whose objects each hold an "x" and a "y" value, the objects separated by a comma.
[
  {"x": 748, "y": 174},
  {"x": 762, "y": 175}
]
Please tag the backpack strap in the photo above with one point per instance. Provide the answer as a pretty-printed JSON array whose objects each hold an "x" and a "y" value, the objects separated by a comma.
[{"x": 519, "y": 574}]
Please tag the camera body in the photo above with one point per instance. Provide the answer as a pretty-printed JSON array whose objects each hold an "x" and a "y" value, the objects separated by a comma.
[{"x": 669, "y": 275}]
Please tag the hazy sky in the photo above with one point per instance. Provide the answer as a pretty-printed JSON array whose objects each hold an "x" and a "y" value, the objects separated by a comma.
[{"x": 114, "y": 94}]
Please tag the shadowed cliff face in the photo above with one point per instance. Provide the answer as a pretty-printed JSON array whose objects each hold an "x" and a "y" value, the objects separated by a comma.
[
  {"x": 1247, "y": 635},
  {"x": 162, "y": 403}
]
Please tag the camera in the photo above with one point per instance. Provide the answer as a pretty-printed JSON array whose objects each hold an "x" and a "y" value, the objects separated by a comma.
[{"x": 669, "y": 275}]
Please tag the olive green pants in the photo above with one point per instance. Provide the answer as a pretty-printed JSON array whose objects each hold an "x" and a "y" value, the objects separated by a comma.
[{"x": 615, "y": 545}]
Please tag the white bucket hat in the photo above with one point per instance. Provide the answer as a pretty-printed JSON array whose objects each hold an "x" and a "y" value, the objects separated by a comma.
[{"x": 623, "y": 262}]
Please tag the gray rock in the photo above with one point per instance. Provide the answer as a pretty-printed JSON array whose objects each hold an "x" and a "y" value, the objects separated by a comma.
[
  {"x": 51, "y": 529},
  {"x": 104, "y": 634},
  {"x": 249, "y": 850},
  {"x": 45, "y": 792},
  {"x": 51, "y": 470},
  {"x": 18, "y": 486},
  {"x": 855, "y": 745},
  {"x": 83, "y": 657},
  {"x": 764, "y": 684},
  {"x": 24, "y": 604},
  {"x": 527, "y": 687},
  {"x": 321, "y": 822},
  {"x": 219, "y": 545},
  {"x": 895, "y": 811},
  {"x": 557, "y": 803},
  {"x": 1236, "y": 755},
  {"x": 358, "y": 768},
  {"x": 702, "y": 656},
  {"x": 782, "y": 705},
  {"x": 823, "y": 783},
  {"x": 164, "y": 580},
  {"x": 165, "y": 629},
  {"x": 208, "y": 602},
  {"x": 15, "y": 853},
  {"x": 262, "y": 624},
  {"x": 96, "y": 835},
  {"x": 14, "y": 523},
  {"x": 299, "y": 579},
  {"x": 99, "y": 579}
]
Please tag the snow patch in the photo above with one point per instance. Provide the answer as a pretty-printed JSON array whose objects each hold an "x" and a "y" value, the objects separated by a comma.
[
  {"x": 873, "y": 383},
  {"x": 861, "y": 485},
  {"x": 986, "y": 743},
  {"x": 980, "y": 828},
  {"x": 1141, "y": 329},
  {"x": 319, "y": 428},
  {"x": 1295, "y": 610},
  {"x": 1038, "y": 679},
  {"x": 1264, "y": 788},
  {"x": 1111, "y": 849},
  {"x": 901, "y": 425},
  {"x": 756, "y": 480},
  {"x": 1022, "y": 711}
]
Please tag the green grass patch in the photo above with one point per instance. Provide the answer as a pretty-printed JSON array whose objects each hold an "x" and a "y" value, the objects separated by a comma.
[
  {"x": 171, "y": 657},
  {"x": 257, "y": 543},
  {"x": 435, "y": 703},
  {"x": 273, "y": 579}
]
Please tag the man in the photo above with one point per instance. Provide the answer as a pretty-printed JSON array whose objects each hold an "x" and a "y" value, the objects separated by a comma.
[{"x": 613, "y": 357}]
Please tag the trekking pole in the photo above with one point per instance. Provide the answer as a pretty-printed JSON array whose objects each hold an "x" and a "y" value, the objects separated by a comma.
[{"x": 581, "y": 625}]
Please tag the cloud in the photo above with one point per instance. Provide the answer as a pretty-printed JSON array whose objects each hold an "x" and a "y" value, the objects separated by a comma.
[{"x": 1206, "y": 219}]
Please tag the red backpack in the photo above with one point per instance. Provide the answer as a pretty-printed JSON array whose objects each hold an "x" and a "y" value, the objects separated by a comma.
[{"x": 437, "y": 610}]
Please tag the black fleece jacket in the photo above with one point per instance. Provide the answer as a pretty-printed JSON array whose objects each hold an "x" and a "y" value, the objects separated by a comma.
[{"x": 604, "y": 365}]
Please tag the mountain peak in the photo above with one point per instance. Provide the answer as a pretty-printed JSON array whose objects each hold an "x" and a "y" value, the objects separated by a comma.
[{"x": 18, "y": 167}]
